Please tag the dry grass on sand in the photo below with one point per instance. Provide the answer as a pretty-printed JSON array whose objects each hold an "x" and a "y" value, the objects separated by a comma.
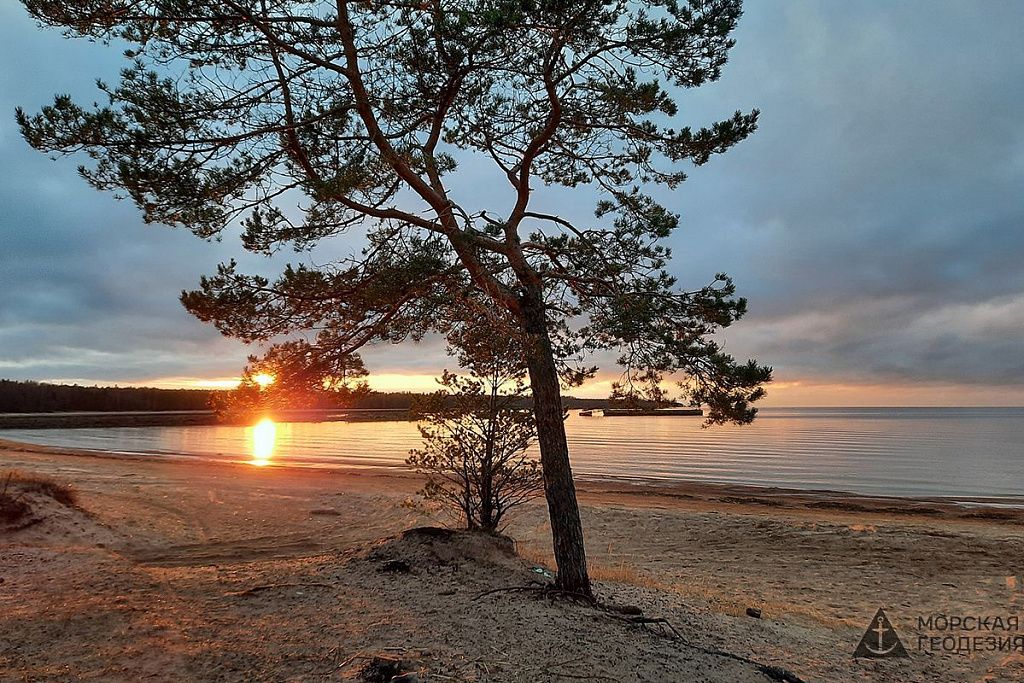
[{"x": 26, "y": 498}]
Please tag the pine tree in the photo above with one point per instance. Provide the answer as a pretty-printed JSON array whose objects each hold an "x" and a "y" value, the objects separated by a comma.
[
  {"x": 475, "y": 430},
  {"x": 303, "y": 120}
]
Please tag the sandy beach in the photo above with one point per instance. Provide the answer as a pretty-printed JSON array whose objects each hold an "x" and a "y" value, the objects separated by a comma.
[{"x": 178, "y": 569}]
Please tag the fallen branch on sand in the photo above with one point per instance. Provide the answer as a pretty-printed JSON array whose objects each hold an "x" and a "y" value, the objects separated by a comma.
[
  {"x": 643, "y": 621},
  {"x": 272, "y": 586},
  {"x": 589, "y": 676}
]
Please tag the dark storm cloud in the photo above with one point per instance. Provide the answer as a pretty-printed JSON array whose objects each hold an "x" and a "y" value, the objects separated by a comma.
[
  {"x": 86, "y": 291},
  {"x": 874, "y": 221}
]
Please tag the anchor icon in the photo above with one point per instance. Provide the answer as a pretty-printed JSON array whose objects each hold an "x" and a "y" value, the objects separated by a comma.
[
  {"x": 880, "y": 639},
  {"x": 881, "y": 630}
]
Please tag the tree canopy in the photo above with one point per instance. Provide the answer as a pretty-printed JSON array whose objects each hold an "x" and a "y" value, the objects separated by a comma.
[{"x": 301, "y": 120}]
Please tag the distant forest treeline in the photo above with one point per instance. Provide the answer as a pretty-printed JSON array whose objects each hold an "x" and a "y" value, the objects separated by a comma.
[{"x": 39, "y": 397}]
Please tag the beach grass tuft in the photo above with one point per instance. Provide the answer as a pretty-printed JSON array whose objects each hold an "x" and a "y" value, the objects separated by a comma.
[
  {"x": 12, "y": 507},
  {"x": 16, "y": 483}
]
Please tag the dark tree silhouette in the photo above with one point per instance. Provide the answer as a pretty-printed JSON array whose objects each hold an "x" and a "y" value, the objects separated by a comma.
[
  {"x": 38, "y": 397},
  {"x": 293, "y": 375},
  {"x": 304, "y": 119},
  {"x": 475, "y": 429},
  {"x": 474, "y": 453},
  {"x": 640, "y": 390}
]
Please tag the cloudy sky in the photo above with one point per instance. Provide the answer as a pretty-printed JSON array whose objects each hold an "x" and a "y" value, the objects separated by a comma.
[{"x": 875, "y": 221}]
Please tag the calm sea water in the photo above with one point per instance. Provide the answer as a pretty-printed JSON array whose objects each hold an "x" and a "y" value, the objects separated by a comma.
[{"x": 962, "y": 453}]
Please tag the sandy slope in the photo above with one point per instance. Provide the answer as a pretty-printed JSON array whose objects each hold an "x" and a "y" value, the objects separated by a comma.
[{"x": 189, "y": 571}]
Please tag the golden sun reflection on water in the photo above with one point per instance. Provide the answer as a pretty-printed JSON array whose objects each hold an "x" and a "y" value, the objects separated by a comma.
[{"x": 264, "y": 434}]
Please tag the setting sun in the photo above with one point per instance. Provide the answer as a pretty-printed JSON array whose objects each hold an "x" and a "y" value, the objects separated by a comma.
[
  {"x": 263, "y": 379},
  {"x": 264, "y": 434}
]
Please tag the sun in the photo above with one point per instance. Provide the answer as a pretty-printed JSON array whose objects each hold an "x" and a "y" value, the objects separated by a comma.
[
  {"x": 263, "y": 379},
  {"x": 264, "y": 434}
]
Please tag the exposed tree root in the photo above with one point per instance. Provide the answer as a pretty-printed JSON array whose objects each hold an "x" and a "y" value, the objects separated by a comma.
[
  {"x": 544, "y": 590},
  {"x": 632, "y": 614}
]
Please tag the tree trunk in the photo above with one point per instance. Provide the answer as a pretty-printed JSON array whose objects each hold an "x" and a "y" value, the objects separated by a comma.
[
  {"x": 487, "y": 520},
  {"x": 563, "y": 510}
]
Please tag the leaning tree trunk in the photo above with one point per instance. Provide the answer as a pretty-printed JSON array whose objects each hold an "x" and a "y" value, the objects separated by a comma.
[{"x": 559, "y": 489}]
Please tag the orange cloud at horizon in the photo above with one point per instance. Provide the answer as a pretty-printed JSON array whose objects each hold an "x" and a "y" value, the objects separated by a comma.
[
  {"x": 815, "y": 392},
  {"x": 822, "y": 393},
  {"x": 397, "y": 381}
]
